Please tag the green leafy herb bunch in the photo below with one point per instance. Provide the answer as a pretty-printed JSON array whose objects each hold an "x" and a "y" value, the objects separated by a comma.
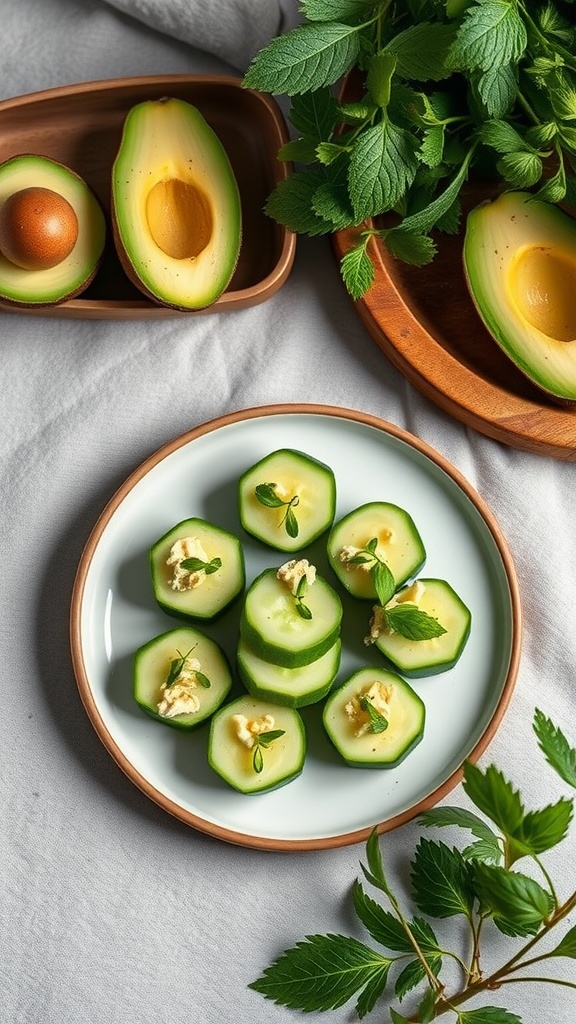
[
  {"x": 480, "y": 884},
  {"x": 447, "y": 88}
]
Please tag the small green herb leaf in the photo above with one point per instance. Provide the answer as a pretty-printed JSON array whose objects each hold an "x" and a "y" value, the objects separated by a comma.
[
  {"x": 412, "y": 623},
  {"x": 266, "y": 495},
  {"x": 421, "y": 51},
  {"x": 495, "y": 797},
  {"x": 441, "y": 880},
  {"x": 290, "y": 521},
  {"x": 384, "y": 582},
  {"x": 203, "y": 680},
  {"x": 257, "y": 759},
  {"x": 382, "y": 925},
  {"x": 197, "y": 565},
  {"x": 263, "y": 739},
  {"x": 378, "y": 723},
  {"x": 383, "y": 165},
  {"x": 444, "y": 816},
  {"x": 566, "y": 946},
  {"x": 266, "y": 738},
  {"x": 176, "y": 666},
  {"x": 304, "y": 59},
  {"x": 555, "y": 747},
  {"x": 488, "y": 1015},
  {"x": 322, "y": 973},
  {"x": 518, "y": 904}
]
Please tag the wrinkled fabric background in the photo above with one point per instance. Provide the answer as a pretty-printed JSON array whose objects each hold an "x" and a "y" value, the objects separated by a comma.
[{"x": 112, "y": 912}]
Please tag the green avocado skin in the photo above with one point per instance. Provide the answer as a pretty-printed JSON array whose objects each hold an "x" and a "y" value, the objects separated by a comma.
[{"x": 519, "y": 259}]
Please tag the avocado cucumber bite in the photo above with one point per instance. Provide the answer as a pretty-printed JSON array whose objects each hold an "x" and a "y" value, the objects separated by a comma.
[
  {"x": 375, "y": 537},
  {"x": 181, "y": 677},
  {"x": 256, "y": 746},
  {"x": 424, "y": 629},
  {"x": 291, "y": 616},
  {"x": 287, "y": 499},
  {"x": 374, "y": 719},
  {"x": 293, "y": 687},
  {"x": 197, "y": 569}
]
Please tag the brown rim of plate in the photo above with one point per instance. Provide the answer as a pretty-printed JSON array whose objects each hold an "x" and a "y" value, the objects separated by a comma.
[{"x": 196, "y": 822}]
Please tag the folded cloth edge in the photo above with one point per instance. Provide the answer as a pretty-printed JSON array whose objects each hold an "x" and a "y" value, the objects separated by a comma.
[{"x": 233, "y": 30}]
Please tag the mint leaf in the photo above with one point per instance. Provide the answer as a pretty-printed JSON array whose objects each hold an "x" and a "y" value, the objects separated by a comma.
[
  {"x": 357, "y": 270},
  {"x": 421, "y": 51},
  {"x": 441, "y": 880},
  {"x": 544, "y": 829},
  {"x": 521, "y": 170},
  {"x": 501, "y": 136},
  {"x": 432, "y": 147},
  {"x": 412, "y": 623},
  {"x": 566, "y": 946},
  {"x": 382, "y": 166},
  {"x": 497, "y": 89},
  {"x": 314, "y": 114},
  {"x": 304, "y": 59},
  {"x": 290, "y": 203},
  {"x": 424, "y": 220},
  {"x": 322, "y": 973},
  {"x": 335, "y": 10},
  {"x": 384, "y": 582},
  {"x": 495, "y": 797},
  {"x": 332, "y": 202},
  {"x": 301, "y": 151},
  {"x": 412, "y": 248},
  {"x": 379, "y": 77},
  {"x": 381, "y": 924},
  {"x": 488, "y": 1015},
  {"x": 492, "y": 34},
  {"x": 266, "y": 495},
  {"x": 518, "y": 904},
  {"x": 555, "y": 747},
  {"x": 461, "y": 817}
]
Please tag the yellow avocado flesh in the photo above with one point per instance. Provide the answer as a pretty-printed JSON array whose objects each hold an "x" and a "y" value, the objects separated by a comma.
[
  {"x": 176, "y": 206},
  {"x": 68, "y": 278},
  {"x": 520, "y": 266}
]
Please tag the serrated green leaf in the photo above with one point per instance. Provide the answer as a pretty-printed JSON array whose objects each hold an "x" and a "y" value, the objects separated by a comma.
[
  {"x": 382, "y": 166},
  {"x": 495, "y": 797},
  {"x": 371, "y": 993},
  {"x": 322, "y": 972},
  {"x": 488, "y": 1015},
  {"x": 501, "y": 136},
  {"x": 412, "y": 623},
  {"x": 552, "y": 742},
  {"x": 298, "y": 151},
  {"x": 384, "y": 583},
  {"x": 545, "y": 828},
  {"x": 422, "y": 221},
  {"x": 332, "y": 202},
  {"x": 375, "y": 871},
  {"x": 382, "y": 926},
  {"x": 443, "y": 816},
  {"x": 432, "y": 146},
  {"x": 291, "y": 203},
  {"x": 335, "y": 10},
  {"x": 520, "y": 170},
  {"x": 356, "y": 113},
  {"x": 518, "y": 904},
  {"x": 566, "y": 946},
  {"x": 411, "y": 247},
  {"x": 357, "y": 271},
  {"x": 304, "y": 59},
  {"x": 314, "y": 114},
  {"x": 380, "y": 69},
  {"x": 497, "y": 89},
  {"x": 492, "y": 34},
  {"x": 553, "y": 189},
  {"x": 421, "y": 51},
  {"x": 450, "y": 221},
  {"x": 328, "y": 152},
  {"x": 441, "y": 880}
]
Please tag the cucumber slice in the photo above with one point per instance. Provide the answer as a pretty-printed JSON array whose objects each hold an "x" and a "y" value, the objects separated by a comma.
[
  {"x": 202, "y": 689},
  {"x": 266, "y": 765},
  {"x": 204, "y": 594},
  {"x": 426, "y": 657},
  {"x": 293, "y": 687},
  {"x": 354, "y": 731},
  {"x": 287, "y": 499},
  {"x": 276, "y": 631},
  {"x": 399, "y": 545}
]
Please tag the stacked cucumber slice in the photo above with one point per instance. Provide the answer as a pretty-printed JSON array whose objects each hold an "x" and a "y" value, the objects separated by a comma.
[{"x": 289, "y": 646}]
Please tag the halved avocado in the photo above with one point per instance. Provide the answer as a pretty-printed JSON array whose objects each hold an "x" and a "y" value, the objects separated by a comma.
[
  {"x": 70, "y": 276},
  {"x": 176, "y": 212},
  {"x": 520, "y": 266}
]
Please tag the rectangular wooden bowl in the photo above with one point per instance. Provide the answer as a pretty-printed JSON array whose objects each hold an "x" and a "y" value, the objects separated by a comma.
[{"x": 81, "y": 126}]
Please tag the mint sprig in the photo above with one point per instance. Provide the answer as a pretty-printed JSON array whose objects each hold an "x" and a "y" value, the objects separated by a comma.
[
  {"x": 263, "y": 740},
  {"x": 504, "y": 72},
  {"x": 266, "y": 494}
]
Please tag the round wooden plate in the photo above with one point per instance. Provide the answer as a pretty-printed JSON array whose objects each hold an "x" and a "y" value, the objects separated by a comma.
[{"x": 424, "y": 321}]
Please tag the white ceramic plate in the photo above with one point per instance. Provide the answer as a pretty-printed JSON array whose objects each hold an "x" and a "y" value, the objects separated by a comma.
[{"x": 113, "y": 613}]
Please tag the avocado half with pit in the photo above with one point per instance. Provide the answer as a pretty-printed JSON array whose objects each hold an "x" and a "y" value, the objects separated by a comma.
[
  {"x": 52, "y": 232},
  {"x": 520, "y": 267},
  {"x": 176, "y": 212}
]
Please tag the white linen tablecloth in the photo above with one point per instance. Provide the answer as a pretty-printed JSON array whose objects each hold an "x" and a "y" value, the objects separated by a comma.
[{"x": 112, "y": 912}]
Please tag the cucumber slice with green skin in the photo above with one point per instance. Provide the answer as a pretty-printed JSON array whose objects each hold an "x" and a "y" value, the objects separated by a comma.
[
  {"x": 292, "y": 687},
  {"x": 277, "y": 632},
  {"x": 280, "y": 761},
  {"x": 427, "y": 657},
  {"x": 162, "y": 658},
  {"x": 218, "y": 586},
  {"x": 287, "y": 499},
  {"x": 406, "y": 719},
  {"x": 399, "y": 545}
]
